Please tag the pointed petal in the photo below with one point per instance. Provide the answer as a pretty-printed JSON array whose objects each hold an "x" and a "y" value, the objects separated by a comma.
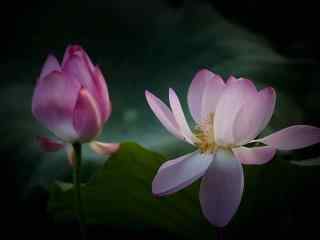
[
  {"x": 195, "y": 92},
  {"x": 164, "y": 114},
  {"x": 221, "y": 188},
  {"x": 102, "y": 148},
  {"x": 78, "y": 51},
  {"x": 78, "y": 64},
  {"x": 230, "y": 103},
  {"x": 179, "y": 116},
  {"x": 86, "y": 119},
  {"x": 174, "y": 162},
  {"x": 179, "y": 173},
  {"x": 77, "y": 67},
  {"x": 53, "y": 102},
  {"x": 102, "y": 97},
  {"x": 254, "y": 155},
  {"x": 68, "y": 52},
  {"x": 254, "y": 115},
  {"x": 232, "y": 80},
  {"x": 66, "y": 55},
  {"x": 49, "y": 145},
  {"x": 211, "y": 95},
  {"x": 51, "y": 64},
  {"x": 294, "y": 137}
]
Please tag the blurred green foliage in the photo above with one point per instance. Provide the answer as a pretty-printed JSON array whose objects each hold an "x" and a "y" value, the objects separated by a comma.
[{"x": 119, "y": 196}]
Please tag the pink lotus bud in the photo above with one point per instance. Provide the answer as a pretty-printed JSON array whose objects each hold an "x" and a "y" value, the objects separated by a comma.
[{"x": 72, "y": 99}]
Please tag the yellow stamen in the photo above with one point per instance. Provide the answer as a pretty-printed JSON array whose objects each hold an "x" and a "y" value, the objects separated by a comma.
[
  {"x": 204, "y": 136},
  {"x": 204, "y": 133}
]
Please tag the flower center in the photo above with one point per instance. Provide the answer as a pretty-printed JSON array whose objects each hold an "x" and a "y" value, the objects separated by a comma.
[{"x": 204, "y": 133}]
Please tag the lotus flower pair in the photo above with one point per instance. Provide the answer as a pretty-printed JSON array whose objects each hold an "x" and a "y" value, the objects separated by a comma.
[
  {"x": 228, "y": 115},
  {"x": 71, "y": 99}
]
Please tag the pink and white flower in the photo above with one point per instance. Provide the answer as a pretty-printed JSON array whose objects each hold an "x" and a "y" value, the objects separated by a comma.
[
  {"x": 71, "y": 99},
  {"x": 228, "y": 115}
]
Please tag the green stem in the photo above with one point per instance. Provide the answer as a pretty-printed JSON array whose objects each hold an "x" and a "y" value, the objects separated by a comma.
[
  {"x": 77, "y": 188},
  {"x": 219, "y": 233}
]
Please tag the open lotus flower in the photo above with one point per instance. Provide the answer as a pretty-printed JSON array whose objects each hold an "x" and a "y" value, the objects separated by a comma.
[
  {"x": 72, "y": 101},
  {"x": 228, "y": 116}
]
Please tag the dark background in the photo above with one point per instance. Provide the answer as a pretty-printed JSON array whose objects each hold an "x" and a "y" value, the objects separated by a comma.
[{"x": 155, "y": 45}]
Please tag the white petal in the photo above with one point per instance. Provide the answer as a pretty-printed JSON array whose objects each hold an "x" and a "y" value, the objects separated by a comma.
[
  {"x": 293, "y": 137},
  {"x": 230, "y": 103},
  {"x": 254, "y": 115},
  {"x": 221, "y": 188},
  {"x": 164, "y": 114},
  {"x": 179, "y": 116},
  {"x": 211, "y": 95},
  {"x": 196, "y": 91},
  {"x": 179, "y": 173},
  {"x": 103, "y": 148},
  {"x": 254, "y": 155}
]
